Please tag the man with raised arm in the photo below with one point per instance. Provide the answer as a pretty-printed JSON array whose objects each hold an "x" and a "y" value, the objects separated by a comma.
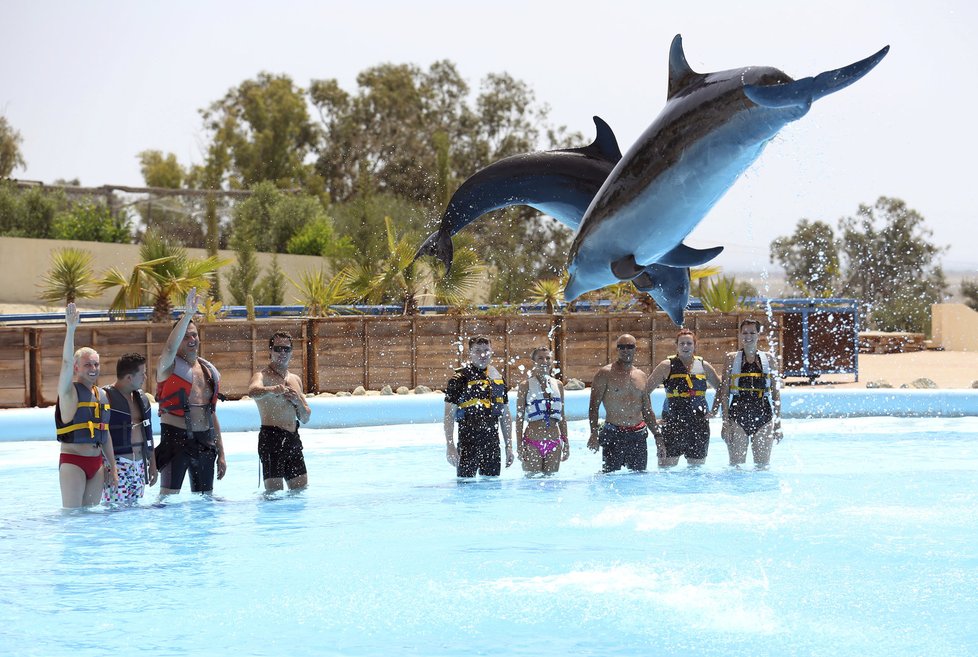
[
  {"x": 187, "y": 392},
  {"x": 621, "y": 387},
  {"x": 81, "y": 418},
  {"x": 282, "y": 406}
]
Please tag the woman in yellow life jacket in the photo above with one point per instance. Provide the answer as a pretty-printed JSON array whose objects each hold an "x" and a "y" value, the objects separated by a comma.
[{"x": 751, "y": 399}]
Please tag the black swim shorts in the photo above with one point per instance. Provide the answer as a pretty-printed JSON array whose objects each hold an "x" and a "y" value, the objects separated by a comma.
[{"x": 280, "y": 453}]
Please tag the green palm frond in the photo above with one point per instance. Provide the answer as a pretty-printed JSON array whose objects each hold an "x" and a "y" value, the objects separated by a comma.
[
  {"x": 548, "y": 291},
  {"x": 318, "y": 292},
  {"x": 70, "y": 277},
  {"x": 457, "y": 286}
]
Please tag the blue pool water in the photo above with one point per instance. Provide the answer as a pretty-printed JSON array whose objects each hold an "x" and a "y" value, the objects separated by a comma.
[{"x": 860, "y": 540}]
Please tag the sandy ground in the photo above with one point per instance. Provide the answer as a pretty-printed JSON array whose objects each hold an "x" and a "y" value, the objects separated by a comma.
[{"x": 948, "y": 369}]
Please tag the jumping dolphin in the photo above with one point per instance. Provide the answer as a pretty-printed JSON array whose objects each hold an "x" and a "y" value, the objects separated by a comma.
[
  {"x": 562, "y": 184},
  {"x": 713, "y": 127}
]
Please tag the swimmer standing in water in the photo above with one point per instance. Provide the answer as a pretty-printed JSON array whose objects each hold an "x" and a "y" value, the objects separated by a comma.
[
  {"x": 543, "y": 444},
  {"x": 750, "y": 396},
  {"x": 282, "y": 406}
]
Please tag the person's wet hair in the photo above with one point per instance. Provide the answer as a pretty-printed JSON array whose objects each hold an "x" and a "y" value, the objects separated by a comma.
[
  {"x": 479, "y": 339},
  {"x": 128, "y": 364}
]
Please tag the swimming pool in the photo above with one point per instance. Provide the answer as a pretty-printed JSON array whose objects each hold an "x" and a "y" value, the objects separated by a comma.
[{"x": 859, "y": 541}]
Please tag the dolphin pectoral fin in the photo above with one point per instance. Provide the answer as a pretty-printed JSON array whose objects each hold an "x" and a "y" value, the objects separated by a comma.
[
  {"x": 807, "y": 90},
  {"x": 687, "y": 256},
  {"x": 625, "y": 268},
  {"x": 438, "y": 244}
]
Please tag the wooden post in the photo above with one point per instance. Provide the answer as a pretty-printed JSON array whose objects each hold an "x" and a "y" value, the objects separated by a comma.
[{"x": 312, "y": 356}]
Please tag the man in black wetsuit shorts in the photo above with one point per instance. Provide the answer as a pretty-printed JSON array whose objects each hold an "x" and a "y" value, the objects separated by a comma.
[
  {"x": 476, "y": 398},
  {"x": 282, "y": 406}
]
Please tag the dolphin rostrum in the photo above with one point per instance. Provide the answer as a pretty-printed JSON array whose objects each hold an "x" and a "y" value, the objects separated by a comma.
[
  {"x": 561, "y": 184},
  {"x": 713, "y": 127}
]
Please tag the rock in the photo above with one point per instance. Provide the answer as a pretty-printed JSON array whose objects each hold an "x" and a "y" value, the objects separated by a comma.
[
  {"x": 328, "y": 394},
  {"x": 343, "y": 393},
  {"x": 359, "y": 391},
  {"x": 974, "y": 384},
  {"x": 424, "y": 390},
  {"x": 374, "y": 393},
  {"x": 574, "y": 384},
  {"x": 923, "y": 383},
  {"x": 386, "y": 390},
  {"x": 878, "y": 383}
]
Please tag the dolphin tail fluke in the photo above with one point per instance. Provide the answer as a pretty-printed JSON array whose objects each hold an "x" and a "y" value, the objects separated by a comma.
[
  {"x": 806, "y": 91},
  {"x": 687, "y": 256},
  {"x": 440, "y": 245}
]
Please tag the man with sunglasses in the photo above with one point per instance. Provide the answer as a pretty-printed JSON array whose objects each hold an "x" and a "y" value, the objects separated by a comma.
[
  {"x": 282, "y": 406},
  {"x": 621, "y": 387}
]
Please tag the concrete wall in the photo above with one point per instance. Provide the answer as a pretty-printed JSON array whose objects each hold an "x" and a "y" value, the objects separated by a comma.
[
  {"x": 954, "y": 326},
  {"x": 25, "y": 261}
]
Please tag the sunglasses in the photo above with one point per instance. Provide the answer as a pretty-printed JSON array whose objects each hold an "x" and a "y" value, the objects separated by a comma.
[
  {"x": 626, "y": 346},
  {"x": 281, "y": 349}
]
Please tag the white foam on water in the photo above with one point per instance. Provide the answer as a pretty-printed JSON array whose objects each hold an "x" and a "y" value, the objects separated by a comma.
[{"x": 737, "y": 604}]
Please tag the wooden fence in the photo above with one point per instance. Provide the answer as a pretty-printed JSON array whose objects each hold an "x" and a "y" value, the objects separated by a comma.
[{"x": 341, "y": 353}]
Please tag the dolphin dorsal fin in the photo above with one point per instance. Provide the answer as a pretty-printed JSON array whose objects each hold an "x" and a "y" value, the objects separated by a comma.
[
  {"x": 604, "y": 146},
  {"x": 680, "y": 74}
]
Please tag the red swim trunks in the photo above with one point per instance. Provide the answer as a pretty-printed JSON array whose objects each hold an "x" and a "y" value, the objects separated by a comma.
[{"x": 89, "y": 464}]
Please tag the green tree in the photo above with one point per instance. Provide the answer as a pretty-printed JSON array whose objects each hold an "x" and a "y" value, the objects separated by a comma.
[
  {"x": 261, "y": 131},
  {"x": 969, "y": 290},
  {"x": 318, "y": 237},
  {"x": 90, "y": 221},
  {"x": 810, "y": 258},
  {"x": 271, "y": 288},
  {"x": 269, "y": 218},
  {"x": 10, "y": 155},
  {"x": 165, "y": 271},
  {"x": 891, "y": 265},
  {"x": 71, "y": 277},
  {"x": 28, "y": 213},
  {"x": 174, "y": 218},
  {"x": 243, "y": 275}
]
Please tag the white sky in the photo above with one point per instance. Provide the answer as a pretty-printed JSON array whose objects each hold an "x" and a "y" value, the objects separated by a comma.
[{"x": 90, "y": 84}]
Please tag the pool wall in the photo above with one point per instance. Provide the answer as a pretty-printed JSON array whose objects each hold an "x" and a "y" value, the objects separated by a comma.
[{"x": 332, "y": 412}]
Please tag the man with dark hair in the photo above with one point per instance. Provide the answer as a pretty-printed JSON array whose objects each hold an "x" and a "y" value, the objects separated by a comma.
[
  {"x": 477, "y": 399},
  {"x": 282, "y": 406},
  {"x": 685, "y": 414},
  {"x": 131, "y": 429},
  {"x": 187, "y": 392}
]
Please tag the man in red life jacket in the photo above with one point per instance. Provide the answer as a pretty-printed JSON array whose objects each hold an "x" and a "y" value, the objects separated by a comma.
[
  {"x": 82, "y": 420},
  {"x": 187, "y": 391}
]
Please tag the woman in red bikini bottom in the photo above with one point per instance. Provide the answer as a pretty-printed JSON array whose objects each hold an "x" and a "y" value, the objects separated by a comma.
[{"x": 541, "y": 430}]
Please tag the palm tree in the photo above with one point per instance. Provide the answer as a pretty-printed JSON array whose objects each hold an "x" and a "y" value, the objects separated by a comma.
[
  {"x": 164, "y": 272},
  {"x": 318, "y": 293},
  {"x": 548, "y": 291},
  {"x": 398, "y": 276},
  {"x": 71, "y": 277}
]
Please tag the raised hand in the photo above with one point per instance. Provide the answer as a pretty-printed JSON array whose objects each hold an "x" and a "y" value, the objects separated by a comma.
[
  {"x": 72, "y": 316},
  {"x": 192, "y": 298}
]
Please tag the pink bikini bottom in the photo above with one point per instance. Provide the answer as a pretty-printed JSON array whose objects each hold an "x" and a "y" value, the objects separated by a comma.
[{"x": 544, "y": 446}]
